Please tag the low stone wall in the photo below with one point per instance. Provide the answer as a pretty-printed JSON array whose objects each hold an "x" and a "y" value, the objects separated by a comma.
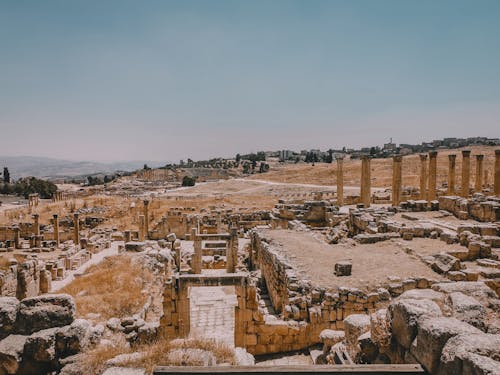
[{"x": 481, "y": 208}]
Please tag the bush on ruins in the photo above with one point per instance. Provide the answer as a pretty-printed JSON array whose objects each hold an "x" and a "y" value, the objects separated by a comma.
[{"x": 188, "y": 181}]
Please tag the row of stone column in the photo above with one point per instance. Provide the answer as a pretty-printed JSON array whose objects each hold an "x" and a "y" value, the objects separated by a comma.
[
  {"x": 55, "y": 222},
  {"x": 428, "y": 177}
]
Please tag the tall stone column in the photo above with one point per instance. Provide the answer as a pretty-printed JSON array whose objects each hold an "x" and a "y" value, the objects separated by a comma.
[
  {"x": 465, "y": 173},
  {"x": 431, "y": 195},
  {"x": 36, "y": 228},
  {"x": 76, "y": 234},
  {"x": 142, "y": 225},
  {"x": 146, "y": 219},
  {"x": 423, "y": 176},
  {"x": 478, "y": 183},
  {"x": 196, "y": 260},
  {"x": 56, "y": 229},
  {"x": 497, "y": 173},
  {"x": 397, "y": 164},
  {"x": 232, "y": 251},
  {"x": 340, "y": 181},
  {"x": 451, "y": 174},
  {"x": 365, "y": 181},
  {"x": 17, "y": 237}
]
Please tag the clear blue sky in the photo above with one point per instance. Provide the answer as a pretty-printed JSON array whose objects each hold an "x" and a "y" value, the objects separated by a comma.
[{"x": 163, "y": 80}]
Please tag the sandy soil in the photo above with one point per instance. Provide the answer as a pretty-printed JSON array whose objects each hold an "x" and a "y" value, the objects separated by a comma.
[{"x": 372, "y": 263}]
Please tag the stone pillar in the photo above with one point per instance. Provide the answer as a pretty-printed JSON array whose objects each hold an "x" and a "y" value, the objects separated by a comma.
[
  {"x": 431, "y": 195},
  {"x": 451, "y": 174},
  {"x": 196, "y": 260},
  {"x": 465, "y": 173},
  {"x": 142, "y": 225},
  {"x": 126, "y": 236},
  {"x": 478, "y": 184},
  {"x": 36, "y": 228},
  {"x": 56, "y": 229},
  {"x": 232, "y": 251},
  {"x": 146, "y": 219},
  {"x": 397, "y": 163},
  {"x": 17, "y": 237},
  {"x": 365, "y": 181},
  {"x": 497, "y": 173},
  {"x": 76, "y": 234},
  {"x": 423, "y": 176},
  {"x": 340, "y": 181}
]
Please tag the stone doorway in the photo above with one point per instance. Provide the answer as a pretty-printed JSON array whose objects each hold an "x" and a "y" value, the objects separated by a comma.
[{"x": 212, "y": 313}]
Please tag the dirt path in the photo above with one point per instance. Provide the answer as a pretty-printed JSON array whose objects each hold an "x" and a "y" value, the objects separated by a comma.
[{"x": 96, "y": 259}]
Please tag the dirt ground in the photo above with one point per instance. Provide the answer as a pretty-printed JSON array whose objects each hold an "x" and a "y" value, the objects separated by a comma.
[{"x": 372, "y": 263}]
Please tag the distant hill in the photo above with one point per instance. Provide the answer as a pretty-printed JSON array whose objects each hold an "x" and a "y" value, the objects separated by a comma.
[{"x": 22, "y": 166}]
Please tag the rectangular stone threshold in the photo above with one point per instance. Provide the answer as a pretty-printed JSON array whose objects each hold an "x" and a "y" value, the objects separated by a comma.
[{"x": 313, "y": 369}]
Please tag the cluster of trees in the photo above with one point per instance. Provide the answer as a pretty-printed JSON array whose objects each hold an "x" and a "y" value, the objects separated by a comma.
[
  {"x": 29, "y": 185},
  {"x": 312, "y": 157},
  {"x": 259, "y": 156},
  {"x": 96, "y": 180}
]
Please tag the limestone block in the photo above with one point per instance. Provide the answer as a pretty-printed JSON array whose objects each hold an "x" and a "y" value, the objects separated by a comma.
[
  {"x": 40, "y": 346},
  {"x": 355, "y": 325},
  {"x": 8, "y": 312},
  {"x": 330, "y": 337},
  {"x": 73, "y": 338},
  {"x": 433, "y": 333},
  {"x": 368, "y": 350},
  {"x": 457, "y": 352},
  {"x": 444, "y": 263},
  {"x": 46, "y": 311},
  {"x": 11, "y": 351},
  {"x": 343, "y": 268},
  {"x": 467, "y": 309},
  {"x": 405, "y": 314}
]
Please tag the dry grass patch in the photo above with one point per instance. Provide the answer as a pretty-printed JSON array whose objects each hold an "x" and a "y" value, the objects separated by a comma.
[
  {"x": 113, "y": 288},
  {"x": 156, "y": 354}
]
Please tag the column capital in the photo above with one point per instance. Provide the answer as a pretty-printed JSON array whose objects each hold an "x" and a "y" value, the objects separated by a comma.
[
  {"x": 423, "y": 157},
  {"x": 452, "y": 156},
  {"x": 480, "y": 157},
  {"x": 397, "y": 158},
  {"x": 433, "y": 154},
  {"x": 465, "y": 153}
]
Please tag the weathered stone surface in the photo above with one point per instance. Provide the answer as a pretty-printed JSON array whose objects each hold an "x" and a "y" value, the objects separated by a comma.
[
  {"x": 8, "y": 313},
  {"x": 243, "y": 358},
  {"x": 355, "y": 325},
  {"x": 405, "y": 315},
  {"x": 11, "y": 351},
  {"x": 456, "y": 355},
  {"x": 433, "y": 333},
  {"x": 423, "y": 294},
  {"x": 380, "y": 329},
  {"x": 330, "y": 337},
  {"x": 467, "y": 309},
  {"x": 46, "y": 311},
  {"x": 476, "y": 289},
  {"x": 444, "y": 263},
  {"x": 368, "y": 350},
  {"x": 72, "y": 338},
  {"x": 40, "y": 346}
]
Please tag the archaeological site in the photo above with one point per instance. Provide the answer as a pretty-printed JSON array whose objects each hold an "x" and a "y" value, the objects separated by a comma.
[
  {"x": 249, "y": 187},
  {"x": 373, "y": 266}
]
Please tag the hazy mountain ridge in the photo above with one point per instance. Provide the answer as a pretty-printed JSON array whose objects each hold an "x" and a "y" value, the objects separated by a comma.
[{"x": 22, "y": 166}]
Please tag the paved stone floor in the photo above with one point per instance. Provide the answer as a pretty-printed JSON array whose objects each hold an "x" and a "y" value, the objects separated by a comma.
[{"x": 212, "y": 313}]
